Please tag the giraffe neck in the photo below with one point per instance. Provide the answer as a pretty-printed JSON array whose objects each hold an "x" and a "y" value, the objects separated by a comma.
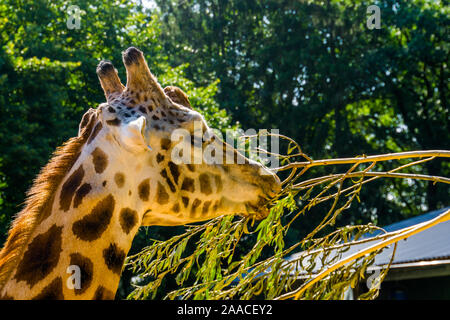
[{"x": 77, "y": 249}]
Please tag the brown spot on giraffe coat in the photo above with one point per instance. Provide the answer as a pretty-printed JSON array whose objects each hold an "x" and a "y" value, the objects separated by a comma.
[
  {"x": 159, "y": 157},
  {"x": 195, "y": 204},
  {"x": 176, "y": 208},
  {"x": 103, "y": 294},
  {"x": 206, "y": 207},
  {"x": 205, "y": 184},
  {"x": 114, "y": 122},
  {"x": 162, "y": 197},
  {"x": 69, "y": 187},
  {"x": 52, "y": 292},
  {"x": 86, "y": 271},
  {"x": 185, "y": 201},
  {"x": 175, "y": 171},
  {"x": 41, "y": 256},
  {"x": 128, "y": 219},
  {"x": 188, "y": 185},
  {"x": 114, "y": 258},
  {"x": 92, "y": 226},
  {"x": 168, "y": 181},
  {"x": 81, "y": 193},
  {"x": 100, "y": 160},
  {"x": 165, "y": 143},
  {"x": 47, "y": 207},
  {"x": 144, "y": 189},
  {"x": 119, "y": 178},
  {"x": 142, "y": 109}
]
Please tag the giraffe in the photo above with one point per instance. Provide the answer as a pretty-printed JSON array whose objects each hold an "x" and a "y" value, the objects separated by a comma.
[{"x": 120, "y": 173}]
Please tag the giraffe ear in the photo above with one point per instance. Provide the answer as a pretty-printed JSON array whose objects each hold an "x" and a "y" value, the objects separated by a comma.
[
  {"x": 133, "y": 134},
  {"x": 87, "y": 122}
]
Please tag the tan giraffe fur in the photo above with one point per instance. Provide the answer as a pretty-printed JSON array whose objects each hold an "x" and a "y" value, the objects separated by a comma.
[{"x": 87, "y": 204}]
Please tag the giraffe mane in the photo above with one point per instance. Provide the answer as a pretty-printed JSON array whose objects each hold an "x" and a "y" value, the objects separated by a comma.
[{"x": 40, "y": 196}]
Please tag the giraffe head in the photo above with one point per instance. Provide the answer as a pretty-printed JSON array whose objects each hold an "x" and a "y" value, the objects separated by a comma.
[
  {"x": 183, "y": 171},
  {"x": 135, "y": 162}
]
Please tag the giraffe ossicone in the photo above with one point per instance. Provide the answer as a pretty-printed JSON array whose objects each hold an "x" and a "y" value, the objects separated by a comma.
[{"x": 121, "y": 172}]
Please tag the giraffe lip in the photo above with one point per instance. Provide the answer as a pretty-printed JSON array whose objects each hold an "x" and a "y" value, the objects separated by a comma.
[
  {"x": 260, "y": 214},
  {"x": 269, "y": 195},
  {"x": 272, "y": 193},
  {"x": 272, "y": 190}
]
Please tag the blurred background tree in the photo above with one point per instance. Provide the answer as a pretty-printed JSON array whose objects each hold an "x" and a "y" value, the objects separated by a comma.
[
  {"x": 309, "y": 68},
  {"x": 48, "y": 79},
  {"x": 315, "y": 70}
]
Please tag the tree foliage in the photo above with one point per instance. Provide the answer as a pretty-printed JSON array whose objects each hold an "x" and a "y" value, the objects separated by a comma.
[
  {"x": 309, "y": 68},
  {"x": 316, "y": 270},
  {"x": 314, "y": 70},
  {"x": 48, "y": 79}
]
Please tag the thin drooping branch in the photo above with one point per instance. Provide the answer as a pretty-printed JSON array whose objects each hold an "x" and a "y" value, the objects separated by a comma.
[
  {"x": 394, "y": 239},
  {"x": 378, "y": 174},
  {"x": 365, "y": 159},
  {"x": 218, "y": 269}
]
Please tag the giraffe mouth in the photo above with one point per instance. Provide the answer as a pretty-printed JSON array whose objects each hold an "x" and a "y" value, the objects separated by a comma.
[
  {"x": 273, "y": 188},
  {"x": 259, "y": 210},
  {"x": 260, "y": 214}
]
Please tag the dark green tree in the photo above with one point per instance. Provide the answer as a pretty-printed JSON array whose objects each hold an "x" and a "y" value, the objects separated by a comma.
[
  {"x": 320, "y": 75},
  {"x": 48, "y": 79}
]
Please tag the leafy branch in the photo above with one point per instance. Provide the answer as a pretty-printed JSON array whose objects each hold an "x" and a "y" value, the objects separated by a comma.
[{"x": 312, "y": 268}]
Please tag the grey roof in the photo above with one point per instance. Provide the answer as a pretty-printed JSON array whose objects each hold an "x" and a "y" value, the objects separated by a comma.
[{"x": 430, "y": 244}]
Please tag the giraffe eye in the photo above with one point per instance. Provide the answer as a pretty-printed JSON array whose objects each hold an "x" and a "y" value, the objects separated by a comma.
[{"x": 111, "y": 109}]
